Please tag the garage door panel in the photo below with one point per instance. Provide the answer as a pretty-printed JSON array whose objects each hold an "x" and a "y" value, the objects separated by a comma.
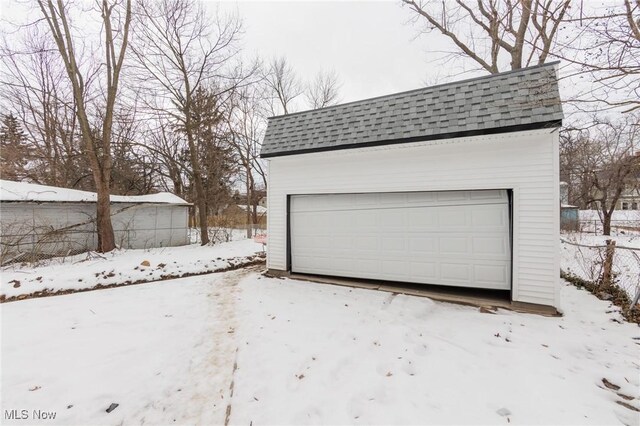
[
  {"x": 394, "y": 244},
  {"x": 492, "y": 215},
  {"x": 365, "y": 242},
  {"x": 423, "y": 218},
  {"x": 390, "y": 219},
  {"x": 459, "y": 238},
  {"x": 394, "y": 268},
  {"x": 423, "y": 245},
  {"x": 489, "y": 274},
  {"x": 368, "y": 265},
  {"x": 455, "y": 273},
  {"x": 428, "y": 270},
  {"x": 363, "y": 220},
  {"x": 446, "y": 197},
  {"x": 494, "y": 195},
  {"x": 450, "y": 245},
  {"x": 490, "y": 246},
  {"x": 456, "y": 217}
]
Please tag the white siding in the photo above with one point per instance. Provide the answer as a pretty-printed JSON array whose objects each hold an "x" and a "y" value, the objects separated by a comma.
[{"x": 526, "y": 162}]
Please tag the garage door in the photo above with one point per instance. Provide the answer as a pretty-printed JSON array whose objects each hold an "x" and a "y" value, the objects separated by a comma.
[{"x": 458, "y": 238}]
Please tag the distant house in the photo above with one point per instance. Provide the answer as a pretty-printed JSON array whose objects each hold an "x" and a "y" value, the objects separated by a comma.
[
  {"x": 630, "y": 199},
  {"x": 451, "y": 185},
  {"x": 47, "y": 221}
]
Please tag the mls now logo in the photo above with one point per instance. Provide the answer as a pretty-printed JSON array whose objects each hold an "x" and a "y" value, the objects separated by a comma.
[
  {"x": 16, "y": 414},
  {"x": 25, "y": 414}
]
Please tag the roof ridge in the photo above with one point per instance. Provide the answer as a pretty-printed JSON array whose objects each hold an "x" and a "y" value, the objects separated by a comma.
[{"x": 406, "y": 92}]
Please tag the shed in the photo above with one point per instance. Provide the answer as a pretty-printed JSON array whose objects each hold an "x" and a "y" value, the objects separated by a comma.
[
  {"x": 569, "y": 217},
  {"x": 450, "y": 185},
  {"x": 41, "y": 221}
]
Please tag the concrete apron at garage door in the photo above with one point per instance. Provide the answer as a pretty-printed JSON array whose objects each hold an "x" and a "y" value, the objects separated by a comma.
[{"x": 482, "y": 298}]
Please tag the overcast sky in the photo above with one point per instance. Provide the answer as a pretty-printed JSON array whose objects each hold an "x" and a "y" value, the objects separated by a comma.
[
  {"x": 372, "y": 45},
  {"x": 369, "y": 44}
]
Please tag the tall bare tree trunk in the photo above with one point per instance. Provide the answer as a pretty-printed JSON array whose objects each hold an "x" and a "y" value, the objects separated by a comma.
[
  {"x": 106, "y": 237},
  {"x": 186, "y": 52},
  {"x": 248, "y": 189},
  {"x": 192, "y": 134},
  {"x": 201, "y": 199},
  {"x": 97, "y": 144}
]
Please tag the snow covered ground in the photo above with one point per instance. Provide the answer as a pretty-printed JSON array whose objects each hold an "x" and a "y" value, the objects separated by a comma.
[
  {"x": 308, "y": 353},
  {"x": 585, "y": 261},
  {"x": 123, "y": 267}
]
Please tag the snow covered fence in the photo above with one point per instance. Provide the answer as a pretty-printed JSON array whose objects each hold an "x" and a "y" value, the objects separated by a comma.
[
  {"x": 590, "y": 221},
  {"x": 594, "y": 226},
  {"x": 605, "y": 264}
]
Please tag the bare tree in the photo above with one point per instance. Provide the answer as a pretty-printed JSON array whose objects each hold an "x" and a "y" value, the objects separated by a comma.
[
  {"x": 96, "y": 134},
  {"x": 248, "y": 124},
  {"x": 182, "y": 51},
  {"x": 602, "y": 162},
  {"x": 133, "y": 171},
  {"x": 606, "y": 46},
  {"x": 169, "y": 154},
  {"x": 284, "y": 86},
  {"x": 495, "y": 32},
  {"x": 35, "y": 88},
  {"x": 324, "y": 90}
]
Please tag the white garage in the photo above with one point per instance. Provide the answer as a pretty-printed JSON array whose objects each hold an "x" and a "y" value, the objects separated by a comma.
[{"x": 452, "y": 185}]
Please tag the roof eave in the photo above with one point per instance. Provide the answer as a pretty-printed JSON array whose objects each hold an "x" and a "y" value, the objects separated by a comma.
[{"x": 451, "y": 135}]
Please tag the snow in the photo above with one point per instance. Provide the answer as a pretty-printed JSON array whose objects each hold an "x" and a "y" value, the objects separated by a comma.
[
  {"x": 343, "y": 356},
  {"x": 149, "y": 348},
  {"x": 23, "y": 191},
  {"x": 123, "y": 266},
  {"x": 311, "y": 353}
]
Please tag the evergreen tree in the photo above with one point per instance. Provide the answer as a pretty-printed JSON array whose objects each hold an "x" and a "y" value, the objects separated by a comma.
[{"x": 14, "y": 151}]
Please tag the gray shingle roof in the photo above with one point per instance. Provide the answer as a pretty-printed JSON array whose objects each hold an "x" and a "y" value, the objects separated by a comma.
[{"x": 516, "y": 100}]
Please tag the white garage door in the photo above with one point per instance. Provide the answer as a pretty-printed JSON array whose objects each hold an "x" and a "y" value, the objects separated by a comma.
[{"x": 457, "y": 238}]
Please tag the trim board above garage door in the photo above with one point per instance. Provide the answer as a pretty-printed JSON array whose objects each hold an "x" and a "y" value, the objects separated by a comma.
[{"x": 454, "y": 238}]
